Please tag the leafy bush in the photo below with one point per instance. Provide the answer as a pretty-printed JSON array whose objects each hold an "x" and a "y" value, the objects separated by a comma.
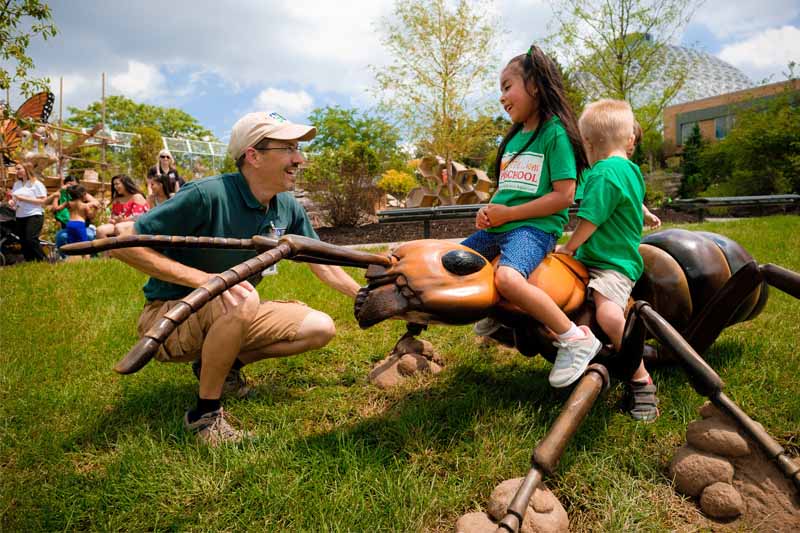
[
  {"x": 397, "y": 183},
  {"x": 760, "y": 153},
  {"x": 341, "y": 182}
]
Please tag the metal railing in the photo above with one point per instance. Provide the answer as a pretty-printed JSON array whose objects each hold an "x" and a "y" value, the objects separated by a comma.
[{"x": 427, "y": 214}]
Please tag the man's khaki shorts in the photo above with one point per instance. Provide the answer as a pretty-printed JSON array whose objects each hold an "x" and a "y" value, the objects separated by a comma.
[
  {"x": 276, "y": 321},
  {"x": 611, "y": 284}
]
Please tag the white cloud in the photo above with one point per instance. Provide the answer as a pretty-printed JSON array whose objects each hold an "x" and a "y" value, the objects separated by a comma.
[
  {"x": 726, "y": 19},
  {"x": 139, "y": 82},
  {"x": 291, "y": 103},
  {"x": 766, "y": 52}
]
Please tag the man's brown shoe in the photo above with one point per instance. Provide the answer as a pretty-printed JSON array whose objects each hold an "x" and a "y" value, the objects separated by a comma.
[{"x": 213, "y": 429}]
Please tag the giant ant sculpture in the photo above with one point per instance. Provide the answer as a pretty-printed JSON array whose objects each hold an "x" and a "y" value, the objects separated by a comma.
[{"x": 694, "y": 285}]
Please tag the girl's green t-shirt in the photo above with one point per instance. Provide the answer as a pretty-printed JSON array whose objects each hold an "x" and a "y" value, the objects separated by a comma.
[
  {"x": 612, "y": 201},
  {"x": 531, "y": 174}
]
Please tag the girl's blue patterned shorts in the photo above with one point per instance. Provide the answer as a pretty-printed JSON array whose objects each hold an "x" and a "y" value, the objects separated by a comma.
[{"x": 522, "y": 248}]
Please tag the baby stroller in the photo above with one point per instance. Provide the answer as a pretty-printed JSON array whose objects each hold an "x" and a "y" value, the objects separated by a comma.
[
  {"x": 10, "y": 248},
  {"x": 9, "y": 242}
]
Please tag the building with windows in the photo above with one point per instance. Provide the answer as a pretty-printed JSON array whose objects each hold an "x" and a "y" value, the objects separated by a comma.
[{"x": 715, "y": 114}]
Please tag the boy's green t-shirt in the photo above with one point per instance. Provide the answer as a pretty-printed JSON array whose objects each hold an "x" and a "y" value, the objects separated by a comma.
[
  {"x": 612, "y": 200},
  {"x": 531, "y": 174},
  {"x": 62, "y": 215}
]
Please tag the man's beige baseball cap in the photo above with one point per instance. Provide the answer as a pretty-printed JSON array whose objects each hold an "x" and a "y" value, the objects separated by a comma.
[{"x": 253, "y": 127}]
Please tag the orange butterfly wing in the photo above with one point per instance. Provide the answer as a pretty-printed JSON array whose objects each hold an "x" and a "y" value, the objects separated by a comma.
[
  {"x": 10, "y": 138},
  {"x": 37, "y": 108}
]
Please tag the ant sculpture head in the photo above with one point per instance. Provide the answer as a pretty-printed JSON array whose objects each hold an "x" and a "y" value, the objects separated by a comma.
[{"x": 428, "y": 281}]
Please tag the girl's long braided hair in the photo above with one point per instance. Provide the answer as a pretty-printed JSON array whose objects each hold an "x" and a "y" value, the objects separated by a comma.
[{"x": 535, "y": 67}]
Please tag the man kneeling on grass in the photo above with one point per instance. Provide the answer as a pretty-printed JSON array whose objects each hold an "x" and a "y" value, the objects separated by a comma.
[{"x": 236, "y": 328}]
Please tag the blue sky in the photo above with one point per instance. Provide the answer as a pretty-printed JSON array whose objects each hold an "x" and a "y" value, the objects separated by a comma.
[{"x": 219, "y": 60}]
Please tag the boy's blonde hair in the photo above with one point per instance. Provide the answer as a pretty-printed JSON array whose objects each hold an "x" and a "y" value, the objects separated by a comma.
[{"x": 607, "y": 124}]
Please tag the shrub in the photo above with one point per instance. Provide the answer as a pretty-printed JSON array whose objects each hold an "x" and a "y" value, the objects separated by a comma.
[
  {"x": 759, "y": 155},
  {"x": 397, "y": 183},
  {"x": 693, "y": 180},
  {"x": 340, "y": 182},
  {"x": 144, "y": 149}
]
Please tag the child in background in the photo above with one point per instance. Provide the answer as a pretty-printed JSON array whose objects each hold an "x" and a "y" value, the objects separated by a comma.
[
  {"x": 162, "y": 191},
  {"x": 537, "y": 165},
  {"x": 651, "y": 221},
  {"x": 609, "y": 229},
  {"x": 60, "y": 197},
  {"x": 81, "y": 206},
  {"x": 127, "y": 203}
]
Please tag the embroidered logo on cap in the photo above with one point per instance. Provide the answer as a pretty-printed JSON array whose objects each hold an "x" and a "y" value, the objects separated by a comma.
[{"x": 276, "y": 117}]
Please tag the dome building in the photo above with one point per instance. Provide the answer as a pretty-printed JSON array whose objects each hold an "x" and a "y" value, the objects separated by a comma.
[{"x": 707, "y": 76}]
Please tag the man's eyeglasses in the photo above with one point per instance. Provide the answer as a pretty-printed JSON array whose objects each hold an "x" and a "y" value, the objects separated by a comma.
[{"x": 291, "y": 150}]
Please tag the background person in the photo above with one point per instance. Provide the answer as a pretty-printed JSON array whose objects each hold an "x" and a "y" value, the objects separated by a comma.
[
  {"x": 165, "y": 166},
  {"x": 29, "y": 197},
  {"x": 236, "y": 328},
  {"x": 56, "y": 199},
  {"x": 161, "y": 191},
  {"x": 62, "y": 215},
  {"x": 81, "y": 207},
  {"x": 651, "y": 220},
  {"x": 127, "y": 203}
]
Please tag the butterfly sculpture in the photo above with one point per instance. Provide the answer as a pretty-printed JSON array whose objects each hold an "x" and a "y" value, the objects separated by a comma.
[{"x": 35, "y": 109}]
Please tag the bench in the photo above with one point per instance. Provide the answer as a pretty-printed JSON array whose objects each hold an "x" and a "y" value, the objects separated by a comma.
[
  {"x": 699, "y": 206},
  {"x": 426, "y": 214}
]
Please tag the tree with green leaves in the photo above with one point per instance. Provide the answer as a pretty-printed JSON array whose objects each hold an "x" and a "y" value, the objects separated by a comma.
[
  {"x": 693, "y": 180},
  {"x": 338, "y": 127},
  {"x": 444, "y": 65},
  {"x": 123, "y": 114},
  {"x": 144, "y": 148},
  {"x": 20, "y": 21},
  {"x": 341, "y": 181},
  {"x": 484, "y": 151},
  {"x": 618, "y": 49}
]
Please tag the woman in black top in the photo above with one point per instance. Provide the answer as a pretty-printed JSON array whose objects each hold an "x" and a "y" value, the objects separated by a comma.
[{"x": 165, "y": 166}]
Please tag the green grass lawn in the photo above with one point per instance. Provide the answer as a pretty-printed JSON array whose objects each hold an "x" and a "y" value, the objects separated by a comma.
[{"x": 82, "y": 448}]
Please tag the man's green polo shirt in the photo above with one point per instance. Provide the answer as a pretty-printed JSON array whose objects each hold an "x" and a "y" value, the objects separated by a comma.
[{"x": 219, "y": 206}]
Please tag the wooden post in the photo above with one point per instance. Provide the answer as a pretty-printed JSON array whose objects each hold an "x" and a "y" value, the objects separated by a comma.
[
  {"x": 103, "y": 141},
  {"x": 60, "y": 124},
  {"x": 3, "y": 176},
  {"x": 3, "y": 170}
]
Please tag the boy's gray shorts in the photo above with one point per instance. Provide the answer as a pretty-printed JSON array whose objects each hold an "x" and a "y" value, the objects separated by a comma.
[{"x": 611, "y": 284}]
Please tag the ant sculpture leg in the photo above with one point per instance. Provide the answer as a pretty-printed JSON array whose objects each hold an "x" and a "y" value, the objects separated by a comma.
[
  {"x": 270, "y": 251},
  {"x": 548, "y": 452},
  {"x": 642, "y": 319},
  {"x": 708, "y": 383}
]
